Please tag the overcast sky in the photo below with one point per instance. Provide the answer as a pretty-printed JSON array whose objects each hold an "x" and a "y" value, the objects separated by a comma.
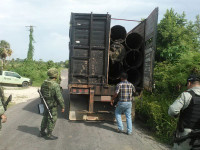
[{"x": 51, "y": 18}]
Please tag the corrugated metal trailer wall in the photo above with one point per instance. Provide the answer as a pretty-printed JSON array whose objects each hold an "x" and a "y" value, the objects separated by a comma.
[{"x": 89, "y": 43}]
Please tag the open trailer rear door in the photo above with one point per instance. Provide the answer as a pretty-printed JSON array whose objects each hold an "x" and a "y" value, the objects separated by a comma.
[{"x": 150, "y": 48}]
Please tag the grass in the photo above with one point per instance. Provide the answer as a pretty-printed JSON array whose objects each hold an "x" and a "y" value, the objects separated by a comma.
[{"x": 37, "y": 83}]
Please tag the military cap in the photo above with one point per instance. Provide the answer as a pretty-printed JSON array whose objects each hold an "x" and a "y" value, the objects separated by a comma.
[
  {"x": 193, "y": 78},
  {"x": 52, "y": 72}
]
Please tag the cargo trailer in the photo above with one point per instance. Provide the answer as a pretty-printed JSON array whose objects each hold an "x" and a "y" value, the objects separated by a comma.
[{"x": 94, "y": 67}]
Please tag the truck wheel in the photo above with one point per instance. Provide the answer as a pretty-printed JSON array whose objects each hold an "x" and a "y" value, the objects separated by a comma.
[{"x": 25, "y": 84}]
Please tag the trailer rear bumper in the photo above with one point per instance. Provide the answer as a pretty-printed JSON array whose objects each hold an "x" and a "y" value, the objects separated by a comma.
[{"x": 84, "y": 115}]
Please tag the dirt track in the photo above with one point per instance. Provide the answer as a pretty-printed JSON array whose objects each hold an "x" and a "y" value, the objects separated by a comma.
[
  {"x": 22, "y": 128},
  {"x": 20, "y": 94}
]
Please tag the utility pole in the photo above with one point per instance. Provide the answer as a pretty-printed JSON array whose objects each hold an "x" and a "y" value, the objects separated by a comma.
[{"x": 31, "y": 47}]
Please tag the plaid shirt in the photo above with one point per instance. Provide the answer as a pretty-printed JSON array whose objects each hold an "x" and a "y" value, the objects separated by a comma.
[{"x": 125, "y": 91}]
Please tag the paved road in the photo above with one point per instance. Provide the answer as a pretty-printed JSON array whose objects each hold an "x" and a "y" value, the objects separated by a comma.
[{"x": 22, "y": 128}]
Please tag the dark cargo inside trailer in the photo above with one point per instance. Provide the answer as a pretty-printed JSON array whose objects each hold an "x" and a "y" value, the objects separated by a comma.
[{"x": 99, "y": 53}]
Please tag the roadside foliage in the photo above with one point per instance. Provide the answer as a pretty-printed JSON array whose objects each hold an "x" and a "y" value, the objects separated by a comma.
[{"x": 35, "y": 70}]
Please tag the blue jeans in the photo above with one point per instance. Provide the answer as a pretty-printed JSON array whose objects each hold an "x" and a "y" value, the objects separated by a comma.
[{"x": 124, "y": 107}]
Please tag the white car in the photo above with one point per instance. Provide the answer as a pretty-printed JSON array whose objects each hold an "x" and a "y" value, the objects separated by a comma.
[{"x": 8, "y": 77}]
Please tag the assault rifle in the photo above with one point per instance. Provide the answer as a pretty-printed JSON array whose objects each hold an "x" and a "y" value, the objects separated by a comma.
[
  {"x": 194, "y": 135},
  {"x": 5, "y": 103},
  {"x": 45, "y": 103}
]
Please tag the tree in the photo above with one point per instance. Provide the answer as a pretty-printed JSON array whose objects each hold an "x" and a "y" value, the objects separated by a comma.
[
  {"x": 5, "y": 51},
  {"x": 31, "y": 47},
  {"x": 67, "y": 64},
  {"x": 50, "y": 64},
  {"x": 197, "y": 26},
  {"x": 175, "y": 36}
]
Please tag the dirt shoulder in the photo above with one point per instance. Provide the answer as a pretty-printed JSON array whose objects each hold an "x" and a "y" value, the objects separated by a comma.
[{"x": 21, "y": 94}]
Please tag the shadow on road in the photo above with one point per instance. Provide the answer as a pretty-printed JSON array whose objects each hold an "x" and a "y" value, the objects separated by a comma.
[
  {"x": 31, "y": 130},
  {"x": 99, "y": 124},
  {"x": 33, "y": 106}
]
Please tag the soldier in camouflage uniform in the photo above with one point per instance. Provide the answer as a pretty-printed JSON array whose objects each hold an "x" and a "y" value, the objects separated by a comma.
[
  {"x": 51, "y": 92},
  {"x": 2, "y": 110}
]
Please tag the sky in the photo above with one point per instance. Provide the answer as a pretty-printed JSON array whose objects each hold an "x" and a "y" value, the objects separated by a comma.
[{"x": 51, "y": 21}]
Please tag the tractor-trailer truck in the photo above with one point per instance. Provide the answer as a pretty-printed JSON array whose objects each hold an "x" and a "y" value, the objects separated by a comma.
[{"x": 97, "y": 56}]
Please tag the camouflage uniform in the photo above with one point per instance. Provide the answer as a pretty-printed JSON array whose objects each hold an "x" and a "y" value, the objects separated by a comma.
[
  {"x": 1, "y": 104},
  {"x": 52, "y": 94}
]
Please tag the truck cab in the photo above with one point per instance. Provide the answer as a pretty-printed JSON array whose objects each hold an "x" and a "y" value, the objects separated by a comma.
[{"x": 8, "y": 77}]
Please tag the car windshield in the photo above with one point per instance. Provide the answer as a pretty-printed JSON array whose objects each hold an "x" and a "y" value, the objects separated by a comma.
[{"x": 12, "y": 74}]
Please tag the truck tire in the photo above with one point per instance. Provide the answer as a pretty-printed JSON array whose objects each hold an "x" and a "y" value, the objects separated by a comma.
[{"x": 25, "y": 84}]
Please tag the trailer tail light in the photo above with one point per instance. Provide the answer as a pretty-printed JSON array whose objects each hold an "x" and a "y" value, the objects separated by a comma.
[{"x": 79, "y": 91}]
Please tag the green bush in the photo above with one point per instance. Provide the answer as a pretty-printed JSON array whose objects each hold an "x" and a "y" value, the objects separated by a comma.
[
  {"x": 154, "y": 110},
  {"x": 170, "y": 80}
]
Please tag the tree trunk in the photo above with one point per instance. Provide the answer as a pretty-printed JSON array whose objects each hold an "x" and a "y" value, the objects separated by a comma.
[{"x": 4, "y": 63}]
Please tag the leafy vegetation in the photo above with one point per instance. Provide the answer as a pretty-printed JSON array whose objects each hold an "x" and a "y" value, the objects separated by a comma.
[
  {"x": 35, "y": 70},
  {"x": 175, "y": 36},
  {"x": 31, "y": 47},
  {"x": 5, "y": 51},
  {"x": 177, "y": 56}
]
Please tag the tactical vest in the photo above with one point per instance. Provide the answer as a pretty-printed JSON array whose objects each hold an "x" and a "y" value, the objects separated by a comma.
[
  {"x": 48, "y": 94},
  {"x": 190, "y": 117}
]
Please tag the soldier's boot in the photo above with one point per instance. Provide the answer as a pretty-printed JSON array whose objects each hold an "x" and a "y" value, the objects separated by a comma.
[
  {"x": 49, "y": 136},
  {"x": 42, "y": 133}
]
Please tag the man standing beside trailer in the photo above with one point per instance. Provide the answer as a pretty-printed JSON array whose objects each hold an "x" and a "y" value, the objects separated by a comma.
[{"x": 124, "y": 91}]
